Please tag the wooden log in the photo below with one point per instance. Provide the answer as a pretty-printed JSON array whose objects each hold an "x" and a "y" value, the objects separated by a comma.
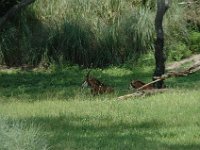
[
  {"x": 141, "y": 93},
  {"x": 186, "y": 72},
  {"x": 187, "y": 3}
]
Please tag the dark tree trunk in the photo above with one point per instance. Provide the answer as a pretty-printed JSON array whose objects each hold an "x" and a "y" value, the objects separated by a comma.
[
  {"x": 13, "y": 10},
  {"x": 162, "y": 6}
]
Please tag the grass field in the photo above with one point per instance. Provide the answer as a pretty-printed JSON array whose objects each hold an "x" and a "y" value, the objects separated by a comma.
[{"x": 48, "y": 110}]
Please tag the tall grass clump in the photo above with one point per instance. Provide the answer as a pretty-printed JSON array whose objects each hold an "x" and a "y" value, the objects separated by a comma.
[
  {"x": 85, "y": 32},
  {"x": 100, "y": 32},
  {"x": 177, "y": 33},
  {"x": 23, "y": 39},
  {"x": 14, "y": 136}
]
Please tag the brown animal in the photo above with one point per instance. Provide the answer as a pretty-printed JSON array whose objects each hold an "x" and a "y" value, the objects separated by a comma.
[
  {"x": 136, "y": 84},
  {"x": 97, "y": 87}
]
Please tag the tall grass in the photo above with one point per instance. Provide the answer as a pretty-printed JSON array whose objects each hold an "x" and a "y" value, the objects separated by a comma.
[
  {"x": 14, "y": 136},
  {"x": 85, "y": 32}
]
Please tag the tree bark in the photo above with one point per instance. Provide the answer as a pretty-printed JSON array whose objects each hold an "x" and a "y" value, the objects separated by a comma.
[
  {"x": 12, "y": 11},
  {"x": 162, "y": 6}
]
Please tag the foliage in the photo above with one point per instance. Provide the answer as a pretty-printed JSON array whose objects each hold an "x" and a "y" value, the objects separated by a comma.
[
  {"x": 194, "y": 39},
  {"x": 5, "y": 5},
  {"x": 86, "y": 32},
  {"x": 192, "y": 15},
  {"x": 179, "y": 51}
]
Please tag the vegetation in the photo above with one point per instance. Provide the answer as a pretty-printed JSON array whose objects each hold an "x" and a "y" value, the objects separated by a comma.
[
  {"x": 6, "y": 5},
  {"x": 89, "y": 32},
  {"x": 14, "y": 136},
  {"x": 47, "y": 109},
  {"x": 70, "y": 118}
]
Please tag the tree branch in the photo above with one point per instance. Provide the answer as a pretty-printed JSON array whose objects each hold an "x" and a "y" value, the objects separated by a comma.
[
  {"x": 14, "y": 10},
  {"x": 187, "y": 3},
  {"x": 141, "y": 92},
  {"x": 173, "y": 74}
]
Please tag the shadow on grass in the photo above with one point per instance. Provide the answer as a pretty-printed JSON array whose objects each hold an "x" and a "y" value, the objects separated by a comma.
[
  {"x": 39, "y": 85},
  {"x": 60, "y": 84},
  {"x": 66, "y": 83},
  {"x": 86, "y": 132}
]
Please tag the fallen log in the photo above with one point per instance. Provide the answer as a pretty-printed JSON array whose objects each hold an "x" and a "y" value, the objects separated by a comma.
[
  {"x": 173, "y": 74},
  {"x": 187, "y": 3},
  {"x": 141, "y": 92}
]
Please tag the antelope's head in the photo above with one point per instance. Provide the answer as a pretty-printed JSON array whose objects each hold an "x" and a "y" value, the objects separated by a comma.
[{"x": 86, "y": 82}]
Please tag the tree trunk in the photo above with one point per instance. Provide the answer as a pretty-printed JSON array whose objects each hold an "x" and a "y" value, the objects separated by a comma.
[
  {"x": 162, "y": 6},
  {"x": 12, "y": 11}
]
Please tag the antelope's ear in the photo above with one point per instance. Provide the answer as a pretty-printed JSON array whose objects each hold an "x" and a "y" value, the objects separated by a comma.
[{"x": 85, "y": 84}]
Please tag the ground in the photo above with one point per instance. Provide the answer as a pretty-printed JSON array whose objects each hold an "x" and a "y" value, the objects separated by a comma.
[
  {"x": 52, "y": 104},
  {"x": 193, "y": 60}
]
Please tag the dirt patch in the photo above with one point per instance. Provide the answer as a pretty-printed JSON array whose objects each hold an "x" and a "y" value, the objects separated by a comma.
[{"x": 187, "y": 62}]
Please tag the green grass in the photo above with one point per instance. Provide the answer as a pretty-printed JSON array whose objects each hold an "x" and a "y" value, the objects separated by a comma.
[
  {"x": 70, "y": 118},
  {"x": 13, "y": 136}
]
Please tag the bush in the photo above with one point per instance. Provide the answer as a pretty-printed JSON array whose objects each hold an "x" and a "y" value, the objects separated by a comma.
[
  {"x": 194, "y": 40},
  {"x": 178, "y": 51}
]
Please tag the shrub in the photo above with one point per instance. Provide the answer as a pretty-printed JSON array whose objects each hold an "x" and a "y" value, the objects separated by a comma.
[
  {"x": 87, "y": 32},
  {"x": 194, "y": 40},
  {"x": 178, "y": 51}
]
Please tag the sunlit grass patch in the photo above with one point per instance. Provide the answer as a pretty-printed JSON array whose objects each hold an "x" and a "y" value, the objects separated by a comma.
[{"x": 72, "y": 118}]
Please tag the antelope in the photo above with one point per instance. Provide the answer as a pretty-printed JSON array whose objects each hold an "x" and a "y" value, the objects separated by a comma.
[
  {"x": 97, "y": 87},
  {"x": 136, "y": 84}
]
